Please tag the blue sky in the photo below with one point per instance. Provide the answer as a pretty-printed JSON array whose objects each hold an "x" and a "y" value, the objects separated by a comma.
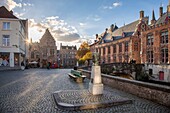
[{"x": 74, "y": 21}]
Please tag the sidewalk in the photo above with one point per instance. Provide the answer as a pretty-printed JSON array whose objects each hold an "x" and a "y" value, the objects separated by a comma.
[{"x": 7, "y": 68}]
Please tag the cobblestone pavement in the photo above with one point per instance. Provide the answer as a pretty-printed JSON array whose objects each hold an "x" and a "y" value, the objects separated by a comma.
[{"x": 30, "y": 91}]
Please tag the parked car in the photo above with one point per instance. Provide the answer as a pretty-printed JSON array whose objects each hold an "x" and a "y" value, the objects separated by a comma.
[{"x": 54, "y": 65}]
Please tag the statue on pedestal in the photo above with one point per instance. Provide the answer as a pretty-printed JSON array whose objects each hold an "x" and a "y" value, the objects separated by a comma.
[
  {"x": 95, "y": 85},
  {"x": 95, "y": 59}
]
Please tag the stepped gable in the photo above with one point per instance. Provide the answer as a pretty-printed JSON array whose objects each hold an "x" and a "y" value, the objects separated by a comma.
[
  {"x": 4, "y": 13},
  {"x": 47, "y": 36}
]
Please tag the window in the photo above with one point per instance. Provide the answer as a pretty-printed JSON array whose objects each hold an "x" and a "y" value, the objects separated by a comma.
[
  {"x": 164, "y": 37},
  {"x": 96, "y": 50},
  {"x": 164, "y": 55},
  {"x": 37, "y": 56},
  {"x": 108, "y": 59},
  {"x": 32, "y": 54},
  {"x": 150, "y": 40},
  {"x": 44, "y": 52},
  {"x": 6, "y": 25},
  {"x": 114, "y": 58},
  {"x": 126, "y": 58},
  {"x": 103, "y": 51},
  {"x": 114, "y": 48},
  {"x": 150, "y": 56},
  {"x": 109, "y": 50},
  {"x": 51, "y": 51},
  {"x": 126, "y": 46},
  {"x": 6, "y": 40},
  {"x": 136, "y": 46},
  {"x": 120, "y": 47},
  {"x": 100, "y": 51},
  {"x": 120, "y": 58}
]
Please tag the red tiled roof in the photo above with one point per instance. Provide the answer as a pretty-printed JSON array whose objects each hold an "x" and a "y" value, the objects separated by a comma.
[{"x": 4, "y": 13}]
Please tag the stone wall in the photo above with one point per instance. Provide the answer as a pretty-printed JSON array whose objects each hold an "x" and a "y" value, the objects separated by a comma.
[
  {"x": 156, "y": 93},
  {"x": 157, "y": 68}
]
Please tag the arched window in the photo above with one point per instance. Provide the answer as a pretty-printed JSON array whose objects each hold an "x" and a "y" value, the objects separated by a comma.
[{"x": 32, "y": 54}]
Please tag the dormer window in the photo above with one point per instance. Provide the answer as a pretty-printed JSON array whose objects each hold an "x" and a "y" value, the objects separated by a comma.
[
  {"x": 102, "y": 41},
  {"x": 123, "y": 34},
  {"x": 113, "y": 38}
]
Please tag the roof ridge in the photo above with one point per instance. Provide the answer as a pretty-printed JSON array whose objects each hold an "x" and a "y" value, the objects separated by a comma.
[
  {"x": 5, "y": 13},
  {"x": 127, "y": 25}
]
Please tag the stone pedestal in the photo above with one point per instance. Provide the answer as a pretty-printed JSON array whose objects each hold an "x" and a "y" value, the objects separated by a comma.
[{"x": 95, "y": 85}]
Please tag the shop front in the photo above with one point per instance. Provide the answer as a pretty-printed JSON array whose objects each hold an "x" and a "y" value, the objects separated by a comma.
[{"x": 10, "y": 59}]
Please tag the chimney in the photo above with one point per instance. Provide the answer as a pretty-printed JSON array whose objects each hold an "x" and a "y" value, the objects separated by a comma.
[
  {"x": 11, "y": 12},
  {"x": 141, "y": 14},
  {"x": 160, "y": 11},
  {"x": 106, "y": 30},
  {"x": 112, "y": 27},
  {"x": 96, "y": 36}
]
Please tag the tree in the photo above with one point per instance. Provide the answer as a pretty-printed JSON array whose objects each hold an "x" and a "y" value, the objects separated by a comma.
[{"x": 84, "y": 52}]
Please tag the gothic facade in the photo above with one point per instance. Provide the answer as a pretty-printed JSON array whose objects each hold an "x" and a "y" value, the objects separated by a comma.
[
  {"x": 143, "y": 41},
  {"x": 45, "y": 51}
]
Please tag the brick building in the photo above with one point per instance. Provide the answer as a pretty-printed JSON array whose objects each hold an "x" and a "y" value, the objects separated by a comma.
[
  {"x": 143, "y": 41},
  {"x": 155, "y": 45},
  {"x": 67, "y": 56},
  {"x": 121, "y": 44}
]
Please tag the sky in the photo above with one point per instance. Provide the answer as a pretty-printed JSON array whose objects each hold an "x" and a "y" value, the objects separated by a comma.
[{"x": 73, "y": 21}]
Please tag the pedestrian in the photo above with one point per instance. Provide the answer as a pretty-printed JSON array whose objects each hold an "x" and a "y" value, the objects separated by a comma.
[
  {"x": 48, "y": 65},
  {"x": 22, "y": 65}
]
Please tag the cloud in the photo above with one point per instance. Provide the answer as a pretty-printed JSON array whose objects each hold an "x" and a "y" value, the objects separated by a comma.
[
  {"x": 97, "y": 19},
  {"x": 69, "y": 37},
  {"x": 82, "y": 24},
  {"x": 107, "y": 7},
  {"x": 59, "y": 28},
  {"x": 116, "y": 4},
  {"x": 93, "y": 17},
  {"x": 11, "y": 4},
  {"x": 18, "y": 14},
  {"x": 52, "y": 17}
]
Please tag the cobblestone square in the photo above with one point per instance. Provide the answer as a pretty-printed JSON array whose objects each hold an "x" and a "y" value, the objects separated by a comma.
[{"x": 30, "y": 91}]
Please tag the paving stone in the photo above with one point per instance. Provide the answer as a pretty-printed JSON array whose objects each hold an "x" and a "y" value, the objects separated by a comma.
[
  {"x": 30, "y": 91},
  {"x": 83, "y": 99}
]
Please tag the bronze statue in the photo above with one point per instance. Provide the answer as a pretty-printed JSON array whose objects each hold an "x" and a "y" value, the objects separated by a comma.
[{"x": 95, "y": 59}]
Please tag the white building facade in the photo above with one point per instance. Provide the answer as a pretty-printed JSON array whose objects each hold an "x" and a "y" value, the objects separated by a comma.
[{"x": 13, "y": 39}]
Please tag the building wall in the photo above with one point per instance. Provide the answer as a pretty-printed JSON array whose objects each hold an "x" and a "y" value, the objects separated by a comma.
[
  {"x": 67, "y": 56},
  {"x": 17, "y": 41},
  {"x": 156, "y": 69},
  {"x": 157, "y": 64},
  {"x": 106, "y": 57},
  {"x": 156, "y": 47}
]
